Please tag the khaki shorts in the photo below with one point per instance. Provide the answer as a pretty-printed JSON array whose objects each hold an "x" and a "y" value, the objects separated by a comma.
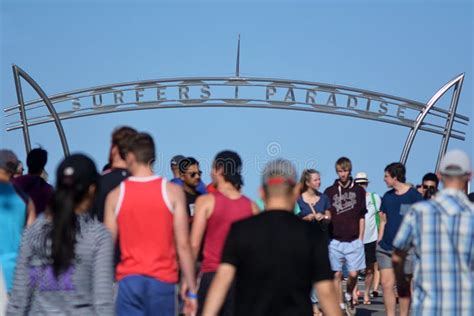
[{"x": 384, "y": 259}]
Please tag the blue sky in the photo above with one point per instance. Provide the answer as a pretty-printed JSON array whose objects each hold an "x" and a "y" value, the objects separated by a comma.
[{"x": 408, "y": 49}]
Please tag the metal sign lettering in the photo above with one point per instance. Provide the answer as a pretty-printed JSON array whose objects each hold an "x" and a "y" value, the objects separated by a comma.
[{"x": 241, "y": 92}]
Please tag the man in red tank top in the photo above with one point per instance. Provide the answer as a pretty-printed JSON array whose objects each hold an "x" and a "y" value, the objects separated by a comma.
[
  {"x": 149, "y": 214},
  {"x": 214, "y": 214}
]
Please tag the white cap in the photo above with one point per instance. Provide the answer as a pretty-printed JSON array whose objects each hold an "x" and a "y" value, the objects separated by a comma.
[
  {"x": 361, "y": 177},
  {"x": 455, "y": 163}
]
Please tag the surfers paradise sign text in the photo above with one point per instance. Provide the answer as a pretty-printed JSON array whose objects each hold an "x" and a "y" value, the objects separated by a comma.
[{"x": 247, "y": 93}]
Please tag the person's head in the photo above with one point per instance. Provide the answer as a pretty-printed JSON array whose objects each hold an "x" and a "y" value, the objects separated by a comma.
[
  {"x": 36, "y": 160},
  {"x": 227, "y": 167},
  {"x": 429, "y": 185},
  {"x": 362, "y": 179},
  {"x": 140, "y": 152},
  {"x": 310, "y": 179},
  {"x": 455, "y": 169},
  {"x": 8, "y": 164},
  {"x": 120, "y": 141},
  {"x": 190, "y": 172},
  {"x": 344, "y": 168},
  {"x": 19, "y": 170},
  {"x": 174, "y": 165},
  {"x": 76, "y": 179},
  {"x": 279, "y": 182},
  {"x": 394, "y": 174}
]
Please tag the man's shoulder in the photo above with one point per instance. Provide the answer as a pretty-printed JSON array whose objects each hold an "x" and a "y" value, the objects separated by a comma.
[
  {"x": 330, "y": 189},
  {"x": 390, "y": 193}
]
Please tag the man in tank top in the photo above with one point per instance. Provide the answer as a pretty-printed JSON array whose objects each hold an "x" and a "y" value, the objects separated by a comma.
[
  {"x": 215, "y": 213},
  {"x": 149, "y": 214}
]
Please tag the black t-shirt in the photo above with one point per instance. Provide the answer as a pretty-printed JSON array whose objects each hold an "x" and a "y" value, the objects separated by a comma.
[
  {"x": 107, "y": 182},
  {"x": 277, "y": 257},
  {"x": 190, "y": 201}
]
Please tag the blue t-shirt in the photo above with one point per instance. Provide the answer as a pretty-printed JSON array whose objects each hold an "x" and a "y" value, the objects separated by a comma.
[
  {"x": 322, "y": 205},
  {"x": 395, "y": 207},
  {"x": 201, "y": 188},
  {"x": 13, "y": 207}
]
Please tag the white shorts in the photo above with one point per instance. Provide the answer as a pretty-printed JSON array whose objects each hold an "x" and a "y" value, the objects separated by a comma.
[{"x": 350, "y": 253}]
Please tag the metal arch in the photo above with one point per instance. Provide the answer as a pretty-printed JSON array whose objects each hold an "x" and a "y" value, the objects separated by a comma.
[
  {"x": 18, "y": 72},
  {"x": 21, "y": 104},
  {"x": 449, "y": 123},
  {"x": 419, "y": 120}
]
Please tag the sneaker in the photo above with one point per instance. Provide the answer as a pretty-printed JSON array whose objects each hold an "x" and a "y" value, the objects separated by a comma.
[{"x": 350, "y": 308}]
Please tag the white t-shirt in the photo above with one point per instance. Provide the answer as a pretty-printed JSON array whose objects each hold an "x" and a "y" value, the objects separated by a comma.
[{"x": 371, "y": 230}]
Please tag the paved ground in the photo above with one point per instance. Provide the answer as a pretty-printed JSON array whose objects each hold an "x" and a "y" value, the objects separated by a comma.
[{"x": 375, "y": 309}]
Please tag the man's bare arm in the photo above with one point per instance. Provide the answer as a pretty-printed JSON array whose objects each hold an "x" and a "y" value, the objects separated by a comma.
[
  {"x": 203, "y": 210},
  {"x": 109, "y": 212},
  {"x": 181, "y": 235},
  {"x": 361, "y": 228},
  {"x": 30, "y": 213},
  {"x": 218, "y": 290},
  {"x": 383, "y": 221}
]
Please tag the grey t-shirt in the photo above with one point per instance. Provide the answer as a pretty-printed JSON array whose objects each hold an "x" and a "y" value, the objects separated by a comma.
[{"x": 83, "y": 289}]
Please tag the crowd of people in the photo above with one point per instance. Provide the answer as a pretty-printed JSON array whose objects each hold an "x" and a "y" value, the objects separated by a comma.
[{"x": 130, "y": 242}]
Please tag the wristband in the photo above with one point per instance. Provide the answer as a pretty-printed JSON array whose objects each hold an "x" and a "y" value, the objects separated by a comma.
[{"x": 192, "y": 295}]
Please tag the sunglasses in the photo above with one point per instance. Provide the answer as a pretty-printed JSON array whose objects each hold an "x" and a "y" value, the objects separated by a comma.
[
  {"x": 428, "y": 186},
  {"x": 193, "y": 174}
]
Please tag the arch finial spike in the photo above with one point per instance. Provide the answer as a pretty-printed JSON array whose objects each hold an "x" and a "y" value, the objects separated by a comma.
[{"x": 237, "y": 62}]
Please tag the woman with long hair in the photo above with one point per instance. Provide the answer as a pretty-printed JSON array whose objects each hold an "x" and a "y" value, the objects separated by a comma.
[
  {"x": 65, "y": 262},
  {"x": 314, "y": 207}
]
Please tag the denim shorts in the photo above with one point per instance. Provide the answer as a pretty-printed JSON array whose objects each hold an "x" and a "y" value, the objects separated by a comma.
[
  {"x": 384, "y": 259},
  {"x": 350, "y": 253}
]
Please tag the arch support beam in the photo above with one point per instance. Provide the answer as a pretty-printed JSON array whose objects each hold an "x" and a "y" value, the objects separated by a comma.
[
  {"x": 457, "y": 83},
  {"x": 19, "y": 73}
]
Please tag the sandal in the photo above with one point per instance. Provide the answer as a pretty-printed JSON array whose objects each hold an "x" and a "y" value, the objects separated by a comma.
[
  {"x": 367, "y": 302},
  {"x": 375, "y": 293}
]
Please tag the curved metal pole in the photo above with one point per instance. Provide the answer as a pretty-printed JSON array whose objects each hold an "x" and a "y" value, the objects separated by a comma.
[
  {"x": 422, "y": 115},
  {"x": 449, "y": 123},
  {"x": 49, "y": 105},
  {"x": 21, "y": 103}
]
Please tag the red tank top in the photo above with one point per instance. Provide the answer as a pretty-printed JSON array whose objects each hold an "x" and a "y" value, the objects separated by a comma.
[
  {"x": 145, "y": 225},
  {"x": 226, "y": 211}
]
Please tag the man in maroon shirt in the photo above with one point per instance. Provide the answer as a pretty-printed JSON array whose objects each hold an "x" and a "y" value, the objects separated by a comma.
[
  {"x": 32, "y": 183},
  {"x": 346, "y": 230}
]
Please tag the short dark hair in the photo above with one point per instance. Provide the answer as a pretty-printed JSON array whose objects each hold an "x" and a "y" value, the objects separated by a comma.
[
  {"x": 121, "y": 138},
  {"x": 143, "y": 147},
  {"x": 185, "y": 163},
  {"x": 397, "y": 170},
  {"x": 36, "y": 160},
  {"x": 430, "y": 176}
]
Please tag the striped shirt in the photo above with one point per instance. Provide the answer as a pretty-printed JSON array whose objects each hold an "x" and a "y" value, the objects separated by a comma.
[
  {"x": 441, "y": 232},
  {"x": 84, "y": 289}
]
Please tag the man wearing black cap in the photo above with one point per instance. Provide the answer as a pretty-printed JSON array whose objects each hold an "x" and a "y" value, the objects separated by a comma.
[
  {"x": 275, "y": 257},
  {"x": 215, "y": 213}
]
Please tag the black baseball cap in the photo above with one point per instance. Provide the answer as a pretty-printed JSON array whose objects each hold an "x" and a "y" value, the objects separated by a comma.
[{"x": 77, "y": 171}]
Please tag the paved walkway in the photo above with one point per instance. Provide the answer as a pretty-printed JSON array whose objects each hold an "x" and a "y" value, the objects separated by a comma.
[{"x": 375, "y": 309}]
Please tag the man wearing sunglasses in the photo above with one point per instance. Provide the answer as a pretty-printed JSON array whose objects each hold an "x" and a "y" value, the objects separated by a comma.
[
  {"x": 190, "y": 174},
  {"x": 429, "y": 185}
]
